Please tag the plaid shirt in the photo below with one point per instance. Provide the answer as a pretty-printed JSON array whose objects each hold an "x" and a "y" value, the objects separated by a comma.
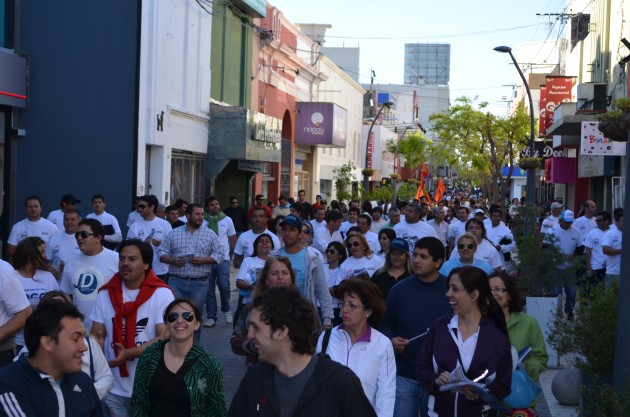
[{"x": 182, "y": 243}]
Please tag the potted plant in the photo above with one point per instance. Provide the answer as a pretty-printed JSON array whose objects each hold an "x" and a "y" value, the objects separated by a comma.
[
  {"x": 615, "y": 124},
  {"x": 593, "y": 348},
  {"x": 367, "y": 172},
  {"x": 394, "y": 176},
  {"x": 527, "y": 163}
]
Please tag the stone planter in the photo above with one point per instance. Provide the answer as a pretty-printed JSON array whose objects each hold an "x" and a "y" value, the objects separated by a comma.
[{"x": 543, "y": 309}]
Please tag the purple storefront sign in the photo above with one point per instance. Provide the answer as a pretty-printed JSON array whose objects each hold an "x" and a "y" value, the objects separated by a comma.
[{"x": 322, "y": 124}]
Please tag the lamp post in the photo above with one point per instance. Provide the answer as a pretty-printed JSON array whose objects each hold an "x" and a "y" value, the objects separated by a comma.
[
  {"x": 366, "y": 178},
  {"x": 530, "y": 188},
  {"x": 395, "y": 159}
]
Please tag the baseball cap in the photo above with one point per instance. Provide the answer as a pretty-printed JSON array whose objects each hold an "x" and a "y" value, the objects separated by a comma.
[
  {"x": 556, "y": 205},
  {"x": 292, "y": 220},
  {"x": 399, "y": 244},
  {"x": 70, "y": 199},
  {"x": 480, "y": 211},
  {"x": 567, "y": 216}
]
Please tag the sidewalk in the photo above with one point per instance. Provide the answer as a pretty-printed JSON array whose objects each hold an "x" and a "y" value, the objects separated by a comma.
[{"x": 549, "y": 406}]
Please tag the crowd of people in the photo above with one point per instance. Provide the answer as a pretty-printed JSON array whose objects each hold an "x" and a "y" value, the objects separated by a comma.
[{"x": 407, "y": 298}]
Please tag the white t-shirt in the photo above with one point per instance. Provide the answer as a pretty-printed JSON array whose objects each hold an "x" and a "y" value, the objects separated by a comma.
[
  {"x": 372, "y": 241},
  {"x": 549, "y": 223},
  {"x": 441, "y": 230},
  {"x": 322, "y": 239},
  {"x": 35, "y": 288},
  {"x": 12, "y": 297},
  {"x": 612, "y": 239},
  {"x": 148, "y": 316},
  {"x": 83, "y": 276},
  {"x": 486, "y": 252},
  {"x": 377, "y": 225},
  {"x": 355, "y": 267},
  {"x": 333, "y": 277},
  {"x": 245, "y": 243},
  {"x": 226, "y": 230},
  {"x": 107, "y": 219},
  {"x": 594, "y": 241},
  {"x": 249, "y": 273},
  {"x": 315, "y": 225},
  {"x": 585, "y": 225},
  {"x": 565, "y": 240},
  {"x": 25, "y": 228},
  {"x": 148, "y": 230},
  {"x": 455, "y": 229},
  {"x": 343, "y": 229},
  {"x": 56, "y": 218},
  {"x": 61, "y": 248},
  {"x": 411, "y": 233},
  {"x": 133, "y": 217}
]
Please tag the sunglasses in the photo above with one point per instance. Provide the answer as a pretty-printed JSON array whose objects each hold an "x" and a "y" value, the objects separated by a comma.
[
  {"x": 142, "y": 206},
  {"x": 332, "y": 251},
  {"x": 354, "y": 244},
  {"x": 463, "y": 246},
  {"x": 186, "y": 315},
  {"x": 306, "y": 232},
  {"x": 83, "y": 235}
]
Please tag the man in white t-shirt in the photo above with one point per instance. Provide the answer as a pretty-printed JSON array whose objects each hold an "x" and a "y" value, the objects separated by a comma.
[
  {"x": 113, "y": 234},
  {"x": 33, "y": 225},
  {"x": 134, "y": 216},
  {"x": 551, "y": 221},
  {"x": 364, "y": 223},
  {"x": 353, "y": 215},
  {"x": 567, "y": 239},
  {"x": 439, "y": 225},
  {"x": 68, "y": 201},
  {"x": 14, "y": 310},
  {"x": 611, "y": 246},
  {"x": 412, "y": 228},
  {"x": 222, "y": 225},
  {"x": 586, "y": 223},
  {"x": 378, "y": 222},
  {"x": 84, "y": 274},
  {"x": 595, "y": 258},
  {"x": 457, "y": 228},
  {"x": 151, "y": 229},
  {"x": 319, "y": 221},
  {"x": 500, "y": 235},
  {"x": 63, "y": 246},
  {"x": 330, "y": 233},
  {"x": 124, "y": 333},
  {"x": 245, "y": 243}
]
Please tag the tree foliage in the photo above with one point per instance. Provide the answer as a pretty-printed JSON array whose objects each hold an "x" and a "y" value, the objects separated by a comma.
[
  {"x": 413, "y": 148},
  {"x": 343, "y": 178},
  {"x": 478, "y": 144}
]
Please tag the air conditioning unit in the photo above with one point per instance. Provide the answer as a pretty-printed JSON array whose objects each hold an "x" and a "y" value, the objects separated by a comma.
[{"x": 592, "y": 97}]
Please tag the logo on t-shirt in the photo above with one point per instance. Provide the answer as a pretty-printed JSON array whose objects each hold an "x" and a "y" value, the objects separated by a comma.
[{"x": 88, "y": 282}]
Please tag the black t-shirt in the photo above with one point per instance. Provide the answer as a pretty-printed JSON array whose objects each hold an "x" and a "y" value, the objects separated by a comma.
[
  {"x": 384, "y": 281},
  {"x": 168, "y": 393},
  {"x": 290, "y": 389}
]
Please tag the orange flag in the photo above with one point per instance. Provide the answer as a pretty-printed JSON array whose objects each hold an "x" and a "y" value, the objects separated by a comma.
[
  {"x": 421, "y": 192},
  {"x": 439, "y": 191}
]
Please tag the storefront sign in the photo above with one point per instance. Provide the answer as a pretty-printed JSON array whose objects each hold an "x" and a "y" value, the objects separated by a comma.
[
  {"x": 590, "y": 166},
  {"x": 593, "y": 142},
  {"x": 560, "y": 170},
  {"x": 12, "y": 80},
  {"x": 542, "y": 112},
  {"x": 322, "y": 124},
  {"x": 251, "y": 166},
  {"x": 370, "y": 150},
  {"x": 558, "y": 91},
  {"x": 542, "y": 150}
]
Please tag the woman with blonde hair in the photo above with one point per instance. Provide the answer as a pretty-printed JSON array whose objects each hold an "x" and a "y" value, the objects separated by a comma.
[{"x": 361, "y": 262}]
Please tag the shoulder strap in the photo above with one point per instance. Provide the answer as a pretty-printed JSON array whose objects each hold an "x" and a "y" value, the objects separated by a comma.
[
  {"x": 87, "y": 342},
  {"x": 326, "y": 340}
]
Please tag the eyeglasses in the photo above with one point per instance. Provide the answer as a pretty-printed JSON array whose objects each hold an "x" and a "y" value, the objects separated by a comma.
[
  {"x": 142, "y": 206},
  {"x": 331, "y": 251},
  {"x": 498, "y": 290},
  {"x": 83, "y": 234},
  {"x": 186, "y": 315},
  {"x": 306, "y": 232},
  {"x": 354, "y": 244},
  {"x": 463, "y": 246},
  {"x": 349, "y": 306}
]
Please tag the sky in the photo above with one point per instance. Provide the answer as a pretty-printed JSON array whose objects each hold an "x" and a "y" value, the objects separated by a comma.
[{"x": 473, "y": 29}]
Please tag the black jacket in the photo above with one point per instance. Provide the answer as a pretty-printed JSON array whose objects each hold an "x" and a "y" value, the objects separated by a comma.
[{"x": 332, "y": 391}]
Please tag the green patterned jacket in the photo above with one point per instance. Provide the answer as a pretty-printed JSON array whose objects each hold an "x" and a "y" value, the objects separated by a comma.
[{"x": 204, "y": 382}]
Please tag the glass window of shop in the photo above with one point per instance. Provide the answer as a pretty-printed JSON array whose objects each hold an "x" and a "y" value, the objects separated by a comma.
[{"x": 187, "y": 177}]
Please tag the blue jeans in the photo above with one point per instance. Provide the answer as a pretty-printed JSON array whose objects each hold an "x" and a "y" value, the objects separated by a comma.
[
  {"x": 219, "y": 277},
  {"x": 569, "y": 291},
  {"x": 119, "y": 406},
  {"x": 411, "y": 398},
  {"x": 194, "y": 290}
]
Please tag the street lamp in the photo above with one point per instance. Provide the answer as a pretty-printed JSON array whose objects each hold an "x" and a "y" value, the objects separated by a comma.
[
  {"x": 366, "y": 178},
  {"x": 530, "y": 189},
  {"x": 395, "y": 159}
]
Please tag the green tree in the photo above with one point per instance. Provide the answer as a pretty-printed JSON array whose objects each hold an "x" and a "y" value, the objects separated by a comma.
[
  {"x": 478, "y": 144},
  {"x": 344, "y": 177},
  {"x": 415, "y": 149}
]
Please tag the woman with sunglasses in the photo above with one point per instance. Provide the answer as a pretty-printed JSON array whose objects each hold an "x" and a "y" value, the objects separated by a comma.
[
  {"x": 523, "y": 330},
  {"x": 276, "y": 273},
  {"x": 34, "y": 273},
  {"x": 466, "y": 247},
  {"x": 361, "y": 262},
  {"x": 247, "y": 274},
  {"x": 358, "y": 345},
  {"x": 306, "y": 239},
  {"x": 397, "y": 267},
  {"x": 175, "y": 376},
  {"x": 385, "y": 237},
  {"x": 486, "y": 251},
  {"x": 474, "y": 339},
  {"x": 335, "y": 255}
]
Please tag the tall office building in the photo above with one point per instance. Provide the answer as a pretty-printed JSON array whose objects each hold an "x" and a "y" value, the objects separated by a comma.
[{"x": 427, "y": 64}]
